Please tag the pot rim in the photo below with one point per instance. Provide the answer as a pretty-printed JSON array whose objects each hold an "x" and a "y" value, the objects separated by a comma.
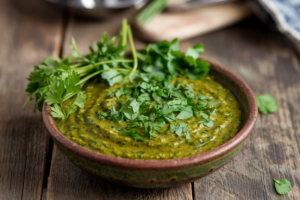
[{"x": 177, "y": 163}]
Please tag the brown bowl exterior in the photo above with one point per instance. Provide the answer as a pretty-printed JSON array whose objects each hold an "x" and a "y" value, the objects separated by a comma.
[{"x": 163, "y": 173}]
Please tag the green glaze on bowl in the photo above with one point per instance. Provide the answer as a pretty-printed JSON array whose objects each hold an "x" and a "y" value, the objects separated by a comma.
[{"x": 163, "y": 173}]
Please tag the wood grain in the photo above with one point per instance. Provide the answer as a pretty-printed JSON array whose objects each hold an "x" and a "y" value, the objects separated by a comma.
[
  {"x": 184, "y": 25},
  {"x": 29, "y": 32},
  {"x": 68, "y": 182},
  {"x": 266, "y": 61}
]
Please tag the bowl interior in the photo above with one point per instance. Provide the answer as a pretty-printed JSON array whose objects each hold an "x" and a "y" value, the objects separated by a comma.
[{"x": 228, "y": 79}]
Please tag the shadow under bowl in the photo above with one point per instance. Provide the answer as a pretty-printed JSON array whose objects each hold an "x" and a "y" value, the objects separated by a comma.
[{"x": 163, "y": 173}]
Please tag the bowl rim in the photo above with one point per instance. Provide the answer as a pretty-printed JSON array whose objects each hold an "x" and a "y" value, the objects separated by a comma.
[{"x": 201, "y": 158}]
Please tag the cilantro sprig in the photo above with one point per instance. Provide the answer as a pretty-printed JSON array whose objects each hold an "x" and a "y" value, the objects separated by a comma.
[
  {"x": 56, "y": 81},
  {"x": 152, "y": 104},
  {"x": 155, "y": 101}
]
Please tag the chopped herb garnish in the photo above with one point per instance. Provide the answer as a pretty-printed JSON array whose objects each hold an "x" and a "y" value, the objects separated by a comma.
[
  {"x": 102, "y": 115},
  {"x": 201, "y": 145},
  {"x": 134, "y": 134},
  {"x": 152, "y": 95}
]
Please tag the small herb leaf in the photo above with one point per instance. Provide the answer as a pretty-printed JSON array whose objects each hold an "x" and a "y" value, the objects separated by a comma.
[{"x": 282, "y": 186}]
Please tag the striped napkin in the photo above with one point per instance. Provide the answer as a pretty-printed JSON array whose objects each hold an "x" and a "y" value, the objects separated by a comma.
[{"x": 285, "y": 14}]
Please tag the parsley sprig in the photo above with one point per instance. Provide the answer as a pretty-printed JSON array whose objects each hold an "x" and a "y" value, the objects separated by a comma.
[
  {"x": 56, "y": 81},
  {"x": 154, "y": 96}
]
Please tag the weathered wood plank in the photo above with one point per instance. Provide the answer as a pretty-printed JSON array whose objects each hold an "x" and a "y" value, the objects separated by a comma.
[
  {"x": 265, "y": 60},
  {"x": 66, "y": 181},
  {"x": 29, "y": 32}
]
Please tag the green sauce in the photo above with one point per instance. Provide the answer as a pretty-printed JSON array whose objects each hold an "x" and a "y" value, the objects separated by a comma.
[{"x": 105, "y": 136}]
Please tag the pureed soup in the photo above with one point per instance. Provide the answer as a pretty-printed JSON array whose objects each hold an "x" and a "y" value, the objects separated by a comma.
[
  {"x": 157, "y": 103},
  {"x": 153, "y": 119}
]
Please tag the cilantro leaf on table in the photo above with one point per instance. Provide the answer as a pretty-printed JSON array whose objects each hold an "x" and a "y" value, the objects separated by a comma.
[
  {"x": 282, "y": 186},
  {"x": 266, "y": 103}
]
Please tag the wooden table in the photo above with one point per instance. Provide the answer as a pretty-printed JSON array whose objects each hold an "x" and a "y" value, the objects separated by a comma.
[{"x": 31, "y": 167}]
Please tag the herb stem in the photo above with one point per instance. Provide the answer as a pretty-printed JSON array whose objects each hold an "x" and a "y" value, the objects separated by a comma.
[
  {"x": 29, "y": 99},
  {"x": 63, "y": 110},
  {"x": 135, "y": 61},
  {"x": 76, "y": 65},
  {"x": 83, "y": 81},
  {"x": 124, "y": 33},
  {"x": 154, "y": 8},
  {"x": 98, "y": 72},
  {"x": 88, "y": 68}
]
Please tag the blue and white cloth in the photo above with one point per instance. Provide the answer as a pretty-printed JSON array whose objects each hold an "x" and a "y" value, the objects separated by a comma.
[{"x": 286, "y": 15}]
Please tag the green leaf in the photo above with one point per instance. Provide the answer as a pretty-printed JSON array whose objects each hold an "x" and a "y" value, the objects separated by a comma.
[
  {"x": 150, "y": 128},
  {"x": 56, "y": 112},
  {"x": 192, "y": 53},
  {"x": 57, "y": 89},
  {"x": 282, "y": 186},
  {"x": 169, "y": 118},
  {"x": 123, "y": 91},
  {"x": 266, "y": 103},
  {"x": 76, "y": 53},
  {"x": 135, "y": 105},
  {"x": 131, "y": 116},
  {"x": 213, "y": 103},
  {"x": 199, "y": 48},
  {"x": 208, "y": 123},
  {"x": 80, "y": 99},
  {"x": 181, "y": 128},
  {"x": 144, "y": 107},
  {"x": 204, "y": 115},
  {"x": 144, "y": 97},
  {"x": 72, "y": 78},
  {"x": 134, "y": 134},
  {"x": 102, "y": 115},
  {"x": 112, "y": 77},
  {"x": 50, "y": 62},
  {"x": 145, "y": 77},
  {"x": 112, "y": 111},
  {"x": 186, "y": 113},
  {"x": 172, "y": 128},
  {"x": 157, "y": 98}
]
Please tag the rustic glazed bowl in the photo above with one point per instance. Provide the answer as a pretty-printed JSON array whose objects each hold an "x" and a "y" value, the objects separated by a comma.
[{"x": 163, "y": 173}]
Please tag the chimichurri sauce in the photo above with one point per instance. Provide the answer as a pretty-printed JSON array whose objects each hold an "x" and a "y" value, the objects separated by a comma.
[{"x": 105, "y": 136}]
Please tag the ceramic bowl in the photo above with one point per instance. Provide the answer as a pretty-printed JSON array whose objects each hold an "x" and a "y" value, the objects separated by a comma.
[{"x": 163, "y": 173}]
